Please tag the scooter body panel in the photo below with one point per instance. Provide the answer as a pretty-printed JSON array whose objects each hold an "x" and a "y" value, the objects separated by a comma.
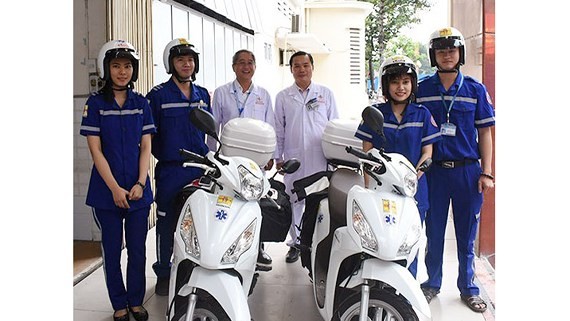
[
  {"x": 225, "y": 288},
  {"x": 219, "y": 220},
  {"x": 392, "y": 217},
  {"x": 391, "y": 224},
  {"x": 397, "y": 277}
]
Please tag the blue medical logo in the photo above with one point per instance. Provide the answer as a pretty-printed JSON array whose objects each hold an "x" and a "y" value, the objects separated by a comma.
[{"x": 221, "y": 215}]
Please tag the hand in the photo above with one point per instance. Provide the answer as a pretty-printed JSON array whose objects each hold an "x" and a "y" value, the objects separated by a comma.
[
  {"x": 485, "y": 183},
  {"x": 120, "y": 197},
  {"x": 278, "y": 166},
  {"x": 269, "y": 165},
  {"x": 136, "y": 193}
]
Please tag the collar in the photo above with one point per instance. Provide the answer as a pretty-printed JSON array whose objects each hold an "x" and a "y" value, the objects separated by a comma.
[
  {"x": 455, "y": 85},
  {"x": 237, "y": 86},
  {"x": 309, "y": 88},
  {"x": 173, "y": 87}
]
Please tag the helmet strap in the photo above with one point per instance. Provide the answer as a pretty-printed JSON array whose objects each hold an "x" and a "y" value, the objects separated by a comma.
[
  {"x": 180, "y": 79},
  {"x": 454, "y": 70},
  {"x": 119, "y": 88}
]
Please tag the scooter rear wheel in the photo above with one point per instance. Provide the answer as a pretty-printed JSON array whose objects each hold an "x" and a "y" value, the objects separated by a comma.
[{"x": 385, "y": 306}]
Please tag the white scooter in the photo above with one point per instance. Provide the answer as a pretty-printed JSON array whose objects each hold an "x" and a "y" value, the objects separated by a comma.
[
  {"x": 216, "y": 239},
  {"x": 365, "y": 238}
]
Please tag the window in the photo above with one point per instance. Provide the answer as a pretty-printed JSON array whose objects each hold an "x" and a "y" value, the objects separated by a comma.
[{"x": 355, "y": 55}]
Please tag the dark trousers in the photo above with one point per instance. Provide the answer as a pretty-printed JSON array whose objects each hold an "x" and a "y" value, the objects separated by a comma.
[{"x": 110, "y": 222}]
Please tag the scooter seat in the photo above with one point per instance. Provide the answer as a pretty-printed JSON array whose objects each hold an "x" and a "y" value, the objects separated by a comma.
[{"x": 342, "y": 180}]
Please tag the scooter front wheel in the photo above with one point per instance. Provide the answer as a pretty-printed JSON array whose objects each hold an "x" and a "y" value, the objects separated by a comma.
[
  {"x": 382, "y": 305},
  {"x": 207, "y": 310}
]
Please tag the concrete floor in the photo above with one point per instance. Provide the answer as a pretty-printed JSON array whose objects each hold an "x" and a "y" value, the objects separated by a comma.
[{"x": 285, "y": 293}]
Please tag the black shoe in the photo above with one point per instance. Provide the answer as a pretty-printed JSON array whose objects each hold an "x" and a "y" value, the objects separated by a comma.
[
  {"x": 141, "y": 315},
  {"x": 162, "y": 285},
  {"x": 292, "y": 255},
  {"x": 121, "y": 318},
  {"x": 263, "y": 267},
  {"x": 263, "y": 257}
]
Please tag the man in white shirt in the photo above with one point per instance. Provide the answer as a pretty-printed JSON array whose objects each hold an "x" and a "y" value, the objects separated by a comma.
[
  {"x": 242, "y": 98},
  {"x": 301, "y": 114}
]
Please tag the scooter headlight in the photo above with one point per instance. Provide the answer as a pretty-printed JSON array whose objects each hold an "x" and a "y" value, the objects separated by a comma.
[
  {"x": 363, "y": 229},
  {"x": 240, "y": 245},
  {"x": 412, "y": 238},
  {"x": 251, "y": 186},
  {"x": 188, "y": 234},
  {"x": 410, "y": 183}
]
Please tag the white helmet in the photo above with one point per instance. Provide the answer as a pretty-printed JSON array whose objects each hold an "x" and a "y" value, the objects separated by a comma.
[
  {"x": 180, "y": 47},
  {"x": 446, "y": 38},
  {"x": 117, "y": 49},
  {"x": 398, "y": 65}
]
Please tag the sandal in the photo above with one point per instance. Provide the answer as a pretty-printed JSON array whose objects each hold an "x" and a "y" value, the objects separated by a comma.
[
  {"x": 430, "y": 293},
  {"x": 474, "y": 302}
]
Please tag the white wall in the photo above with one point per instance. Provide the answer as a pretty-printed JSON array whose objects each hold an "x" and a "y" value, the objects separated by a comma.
[
  {"x": 89, "y": 36},
  {"x": 331, "y": 24}
]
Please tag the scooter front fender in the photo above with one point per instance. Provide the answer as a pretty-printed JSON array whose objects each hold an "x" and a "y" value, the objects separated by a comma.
[
  {"x": 225, "y": 288},
  {"x": 399, "y": 278}
]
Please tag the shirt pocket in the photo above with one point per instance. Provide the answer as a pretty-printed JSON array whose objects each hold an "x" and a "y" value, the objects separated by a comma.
[
  {"x": 175, "y": 119},
  {"x": 464, "y": 115},
  {"x": 259, "y": 112}
]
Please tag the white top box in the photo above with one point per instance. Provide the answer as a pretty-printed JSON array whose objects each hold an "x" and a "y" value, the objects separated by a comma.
[
  {"x": 338, "y": 134},
  {"x": 250, "y": 138}
]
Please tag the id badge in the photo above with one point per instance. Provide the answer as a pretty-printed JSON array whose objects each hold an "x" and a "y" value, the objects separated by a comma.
[
  {"x": 448, "y": 129},
  {"x": 312, "y": 104}
]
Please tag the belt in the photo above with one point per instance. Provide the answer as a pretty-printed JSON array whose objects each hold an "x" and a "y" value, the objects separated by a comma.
[{"x": 455, "y": 163}]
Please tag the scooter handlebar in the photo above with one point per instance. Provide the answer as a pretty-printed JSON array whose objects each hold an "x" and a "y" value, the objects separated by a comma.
[
  {"x": 361, "y": 154},
  {"x": 192, "y": 156}
]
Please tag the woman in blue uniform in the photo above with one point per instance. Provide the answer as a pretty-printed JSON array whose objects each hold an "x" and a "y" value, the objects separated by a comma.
[
  {"x": 118, "y": 124},
  {"x": 462, "y": 108},
  {"x": 409, "y": 128},
  {"x": 171, "y": 103}
]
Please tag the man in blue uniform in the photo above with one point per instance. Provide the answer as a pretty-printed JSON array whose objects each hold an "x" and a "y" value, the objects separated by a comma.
[
  {"x": 462, "y": 109},
  {"x": 171, "y": 103},
  {"x": 409, "y": 128}
]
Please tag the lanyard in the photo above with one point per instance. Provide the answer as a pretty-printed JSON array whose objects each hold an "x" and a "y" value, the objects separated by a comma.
[
  {"x": 240, "y": 109},
  {"x": 453, "y": 99}
]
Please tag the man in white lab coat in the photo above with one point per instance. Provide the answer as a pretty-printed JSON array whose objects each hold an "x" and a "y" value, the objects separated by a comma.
[
  {"x": 242, "y": 98},
  {"x": 301, "y": 114}
]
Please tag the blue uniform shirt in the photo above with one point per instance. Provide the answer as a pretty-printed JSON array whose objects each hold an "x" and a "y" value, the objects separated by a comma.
[
  {"x": 171, "y": 112},
  {"x": 120, "y": 131},
  {"x": 416, "y": 130},
  {"x": 472, "y": 109}
]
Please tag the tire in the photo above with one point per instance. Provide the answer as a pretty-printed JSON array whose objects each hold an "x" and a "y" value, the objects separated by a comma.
[
  {"x": 207, "y": 309},
  {"x": 391, "y": 306}
]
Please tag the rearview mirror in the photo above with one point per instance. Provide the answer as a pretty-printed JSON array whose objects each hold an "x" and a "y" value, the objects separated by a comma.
[
  {"x": 291, "y": 166},
  {"x": 374, "y": 119},
  {"x": 204, "y": 121}
]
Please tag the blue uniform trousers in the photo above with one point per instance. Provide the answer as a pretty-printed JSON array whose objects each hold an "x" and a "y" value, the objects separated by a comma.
[
  {"x": 171, "y": 177},
  {"x": 110, "y": 222},
  {"x": 460, "y": 186}
]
